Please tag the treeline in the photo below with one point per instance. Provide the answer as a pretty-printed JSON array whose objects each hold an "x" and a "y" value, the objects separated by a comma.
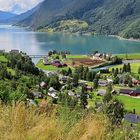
[{"x": 21, "y": 62}]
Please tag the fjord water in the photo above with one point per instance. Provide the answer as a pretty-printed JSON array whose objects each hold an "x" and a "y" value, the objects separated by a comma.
[{"x": 40, "y": 43}]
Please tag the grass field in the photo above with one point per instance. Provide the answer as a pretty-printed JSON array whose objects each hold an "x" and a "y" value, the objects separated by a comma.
[
  {"x": 130, "y": 103},
  {"x": 40, "y": 65},
  {"x": 76, "y": 56},
  {"x": 129, "y": 56},
  {"x": 3, "y": 59},
  {"x": 134, "y": 67}
]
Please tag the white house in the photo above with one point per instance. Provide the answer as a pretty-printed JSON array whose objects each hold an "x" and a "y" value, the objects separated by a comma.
[{"x": 52, "y": 93}]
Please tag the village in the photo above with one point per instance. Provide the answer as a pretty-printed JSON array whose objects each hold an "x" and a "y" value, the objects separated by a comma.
[
  {"x": 87, "y": 79},
  {"x": 73, "y": 72}
]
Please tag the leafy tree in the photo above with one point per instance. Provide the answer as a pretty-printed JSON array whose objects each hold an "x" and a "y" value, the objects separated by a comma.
[
  {"x": 116, "y": 80},
  {"x": 75, "y": 79},
  {"x": 139, "y": 70},
  {"x": 108, "y": 96},
  {"x": 115, "y": 111},
  {"x": 54, "y": 82},
  {"x": 95, "y": 83},
  {"x": 69, "y": 73},
  {"x": 128, "y": 67}
]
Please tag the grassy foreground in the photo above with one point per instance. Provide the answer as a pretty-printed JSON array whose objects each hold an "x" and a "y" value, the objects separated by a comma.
[{"x": 20, "y": 123}]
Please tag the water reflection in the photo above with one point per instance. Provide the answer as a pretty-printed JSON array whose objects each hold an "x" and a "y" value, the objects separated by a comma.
[{"x": 41, "y": 43}]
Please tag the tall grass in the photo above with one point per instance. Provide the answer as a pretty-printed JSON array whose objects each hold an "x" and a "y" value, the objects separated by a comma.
[{"x": 57, "y": 123}]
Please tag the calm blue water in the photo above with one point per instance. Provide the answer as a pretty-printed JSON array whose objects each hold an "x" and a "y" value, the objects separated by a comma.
[{"x": 41, "y": 43}]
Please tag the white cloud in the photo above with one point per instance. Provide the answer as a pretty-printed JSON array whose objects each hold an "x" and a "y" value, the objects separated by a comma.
[{"x": 17, "y": 6}]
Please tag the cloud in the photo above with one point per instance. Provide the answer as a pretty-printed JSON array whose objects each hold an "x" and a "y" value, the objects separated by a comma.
[{"x": 17, "y": 6}]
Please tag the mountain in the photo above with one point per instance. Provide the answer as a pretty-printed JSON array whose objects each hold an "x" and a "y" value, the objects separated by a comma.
[
  {"x": 18, "y": 18},
  {"x": 102, "y": 16},
  {"x": 6, "y": 15}
]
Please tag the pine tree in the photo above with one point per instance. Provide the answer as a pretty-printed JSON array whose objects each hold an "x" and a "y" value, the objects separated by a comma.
[{"x": 83, "y": 98}]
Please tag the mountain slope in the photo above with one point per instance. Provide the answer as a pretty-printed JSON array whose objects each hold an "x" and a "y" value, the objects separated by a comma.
[
  {"x": 102, "y": 16},
  {"x": 6, "y": 15},
  {"x": 18, "y": 18}
]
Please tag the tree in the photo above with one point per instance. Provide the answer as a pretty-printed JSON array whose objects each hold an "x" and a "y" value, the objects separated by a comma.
[
  {"x": 139, "y": 70},
  {"x": 130, "y": 82},
  {"x": 108, "y": 96},
  {"x": 116, "y": 80},
  {"x": 95, "y": 83},
  {"x": 124, "y": 68},
  {"x": 54, "y": 82},
  {"x": 83, "y": 98},
  {"x": 75, "y": 79},
  {"x": 128, "y": 68},
  {"x": 69, "y": 73},
  {"x": 115, "y": 111}
]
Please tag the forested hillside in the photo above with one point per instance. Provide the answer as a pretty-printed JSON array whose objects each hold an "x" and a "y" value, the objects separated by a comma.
[{"x": 102, "y": 16}]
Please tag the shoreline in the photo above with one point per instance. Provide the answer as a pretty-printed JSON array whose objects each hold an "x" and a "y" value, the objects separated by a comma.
[{"x": 122, "y": 38}]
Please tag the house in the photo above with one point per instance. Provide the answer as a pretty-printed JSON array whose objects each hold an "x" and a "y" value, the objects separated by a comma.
[
  {"x": 37, "y": 95},
  {"x": 63, "y": 79},
  {"x": 43, "y": 85},
  {"x": 14, "y": 51},
  {"x": 110, "y": 81},
  {"x": 102, "y": 83},
  {"x": 89, "y": 88},
  {"x": 46, "y": 61},
  {"x": 131, "y": 92},
  {"x": 56, "y": 61},
  {"x": 30, "y": 102},
  {"x": 99, "y": 106},
  {"x": 132, "y": 118},
  {"x": 64, "y": 65},
  {"x": 135, "y": 82},
  {"x": 101, "y": 92},
  {"x": 98, "y": 55},
  {"x": 49, "y": 73},
  {"x": 52, "y": 93},
  {"x": 71, "y": 93},
  {"x": 59, "y": 65}
]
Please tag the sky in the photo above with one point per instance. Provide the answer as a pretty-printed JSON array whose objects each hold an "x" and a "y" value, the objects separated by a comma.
[{"x": 17, "y": 6}]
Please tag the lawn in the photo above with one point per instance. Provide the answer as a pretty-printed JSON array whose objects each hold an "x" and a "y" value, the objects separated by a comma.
[
  {"x": 3, "y": 59},
  {"x": 134, "y": 67},
  {"x": 129, "y": 56},
  {"x": 76, "y": 56},
  {"x": 40, "y": 65},
  {"x": 130, "y": 103}
]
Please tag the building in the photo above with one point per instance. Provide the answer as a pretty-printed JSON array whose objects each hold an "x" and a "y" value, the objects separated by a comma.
[
  {"x": 101, "y": 92},
  {"x": 72, "y": 94},
  {"x": 52, "y": 93},
  {"x": 89, "y": 88},
  {"x": 14, "y": 51},
  {"x": 102, "y": 83},
  {"x": 59, "y": 65},
  {"x": 43, "y": 85},
  {"x": 132, "y": 118},
  {"x": 37, "y": 95},
  {"x": 131, "y": 92},
  {"x": 46, "y": 61}
]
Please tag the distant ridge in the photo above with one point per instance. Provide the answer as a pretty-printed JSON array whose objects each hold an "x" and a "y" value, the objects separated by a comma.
[
  {"x": 6, "y": 15},
  {"x": 113, "y": 17}
]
